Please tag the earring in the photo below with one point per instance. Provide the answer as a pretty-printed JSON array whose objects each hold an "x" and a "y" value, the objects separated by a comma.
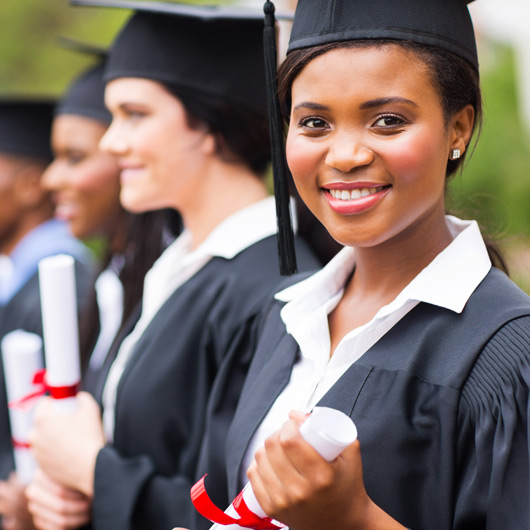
[{"x": 455, "y": 154}]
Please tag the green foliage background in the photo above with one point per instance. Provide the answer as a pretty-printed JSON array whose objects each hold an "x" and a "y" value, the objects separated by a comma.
[{"x": 494, "y": 186}]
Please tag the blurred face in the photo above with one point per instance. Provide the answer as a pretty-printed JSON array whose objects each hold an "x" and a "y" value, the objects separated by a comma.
[
  {"x": 161, "y": 158},
  {"x": 368, "y": 145},
  {"x": 83, "y": 179}
]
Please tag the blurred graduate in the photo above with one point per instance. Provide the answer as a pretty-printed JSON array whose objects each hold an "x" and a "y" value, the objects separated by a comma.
[
  {"x": 28, "y": 231},
  {"x": 187, "y": 97}
]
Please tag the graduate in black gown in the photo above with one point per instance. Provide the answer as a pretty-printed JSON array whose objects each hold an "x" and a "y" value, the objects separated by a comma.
[
  {"x": 187, "y": 95},
  {"x": 410, "y": 330},
  {"x": 28, "y": 233},
  {"x": 85, "y": 188}
]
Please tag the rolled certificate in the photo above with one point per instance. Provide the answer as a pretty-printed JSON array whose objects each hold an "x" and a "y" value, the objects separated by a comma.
[
  {"x": 328, "y": 431},
  {"x": 60, "y": 330},
  {"x": 22, "y": 358}
]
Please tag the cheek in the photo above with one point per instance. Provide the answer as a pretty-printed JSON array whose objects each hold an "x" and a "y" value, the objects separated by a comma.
[
  {"x": 414, "y": 158},
  {"x": 302, "y": 159}
]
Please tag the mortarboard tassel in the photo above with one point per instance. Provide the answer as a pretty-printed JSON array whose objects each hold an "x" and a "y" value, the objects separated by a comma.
[{"x": 286, "y": 248}]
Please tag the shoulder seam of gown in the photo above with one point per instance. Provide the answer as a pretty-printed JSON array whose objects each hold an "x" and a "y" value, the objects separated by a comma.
[{"x": 498, "y": 369}]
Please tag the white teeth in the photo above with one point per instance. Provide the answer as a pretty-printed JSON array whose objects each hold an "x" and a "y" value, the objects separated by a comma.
[{"x": 346, "y": 195}]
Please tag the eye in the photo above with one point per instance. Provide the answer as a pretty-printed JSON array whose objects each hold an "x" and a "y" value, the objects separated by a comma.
[
  {"x": 74, "y": 157},
  {"x": 389, "y": 121},
  {"x": 313, "y": 123}
]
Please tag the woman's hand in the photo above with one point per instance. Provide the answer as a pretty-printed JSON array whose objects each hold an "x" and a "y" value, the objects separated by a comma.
[
  {"x": 55, "y": 507},
  {"x": 66, "y": 445},
  {"x": 296, "y": 486},
  {"x": 14, "y": 506}
]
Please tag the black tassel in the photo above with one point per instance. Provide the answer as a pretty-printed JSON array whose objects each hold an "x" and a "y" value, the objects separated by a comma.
[{"x": 280, "y": 170}]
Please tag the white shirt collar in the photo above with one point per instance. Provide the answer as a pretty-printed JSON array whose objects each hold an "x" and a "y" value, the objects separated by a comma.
[
  {"x": 241, "y": 230},
  {"x": 448, "y": 281}
]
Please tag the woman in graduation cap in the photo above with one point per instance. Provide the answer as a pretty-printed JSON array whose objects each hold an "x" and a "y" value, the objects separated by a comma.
[
  {"x": 190, "y": 132},
  {"x": 410, "y": 330},
  {"x": 85, "y": 185}
]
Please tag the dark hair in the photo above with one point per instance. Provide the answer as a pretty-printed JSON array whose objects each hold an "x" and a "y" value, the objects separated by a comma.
[
  {"x": 144, "y": 238},
  {"x": 241, "y": 134},
  {"x": 455, "y": 80}
]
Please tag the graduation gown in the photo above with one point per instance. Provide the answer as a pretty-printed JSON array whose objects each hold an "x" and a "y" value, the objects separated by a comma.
[
  {"x": 442, "y": 408},
  {"x": 23, "y": 311},
  {"x": 199, "y": 339}
]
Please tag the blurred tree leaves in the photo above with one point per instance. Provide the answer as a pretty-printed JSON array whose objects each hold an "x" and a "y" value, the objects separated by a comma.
[{"x": 31, "y": 59}]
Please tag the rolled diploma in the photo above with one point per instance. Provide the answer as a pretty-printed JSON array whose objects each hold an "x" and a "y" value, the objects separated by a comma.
[
  {"x": 59, "y": 323},
  {"x": 328, "y": 431},
  {"x": 22, "y": 357}
]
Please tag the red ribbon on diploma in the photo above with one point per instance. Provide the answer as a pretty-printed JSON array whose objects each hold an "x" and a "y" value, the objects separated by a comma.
[
  {"x": 56, "y": 392},
  {"x": 17, "y": 444},
  {"x": 248, "y": 519}
]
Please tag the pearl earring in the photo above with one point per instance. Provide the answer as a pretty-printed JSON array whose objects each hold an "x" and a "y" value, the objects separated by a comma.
[{"x": 455, "y": 154}]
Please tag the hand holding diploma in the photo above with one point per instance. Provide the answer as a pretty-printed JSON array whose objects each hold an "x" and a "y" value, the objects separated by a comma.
[
  {"x": 54, "y": 506},
  {"x": 66, "y": 444},
  {"x": 297, "y": 486},
  {"x": 309, "y": 477}
]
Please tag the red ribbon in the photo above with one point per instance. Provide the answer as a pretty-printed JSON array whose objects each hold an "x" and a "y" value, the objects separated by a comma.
[
  {"x": 56, "y": 392},
  {"x": 248, "y": 519},
  {"x": 17, "y": 444}
]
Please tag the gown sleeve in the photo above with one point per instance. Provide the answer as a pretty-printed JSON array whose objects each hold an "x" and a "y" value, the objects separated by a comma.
[
  {"x": 130, "y": 492},
  {"x": 493, "y": 474}
]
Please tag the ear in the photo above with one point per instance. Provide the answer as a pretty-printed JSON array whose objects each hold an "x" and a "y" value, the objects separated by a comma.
[
  {"x": 29, "y": 192},
  {"x": 461, "y": 129},
  {"x": 209, "y": 144}
]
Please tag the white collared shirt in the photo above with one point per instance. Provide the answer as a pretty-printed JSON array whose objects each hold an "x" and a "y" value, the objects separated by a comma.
[
  {"x": 448, "y": 281},
  {"x": 177, "y": 264}
]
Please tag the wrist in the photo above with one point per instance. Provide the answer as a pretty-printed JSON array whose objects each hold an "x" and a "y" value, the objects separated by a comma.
[
  {"x": 375, "y": 518},
  {"x": 87, "y": 473}
]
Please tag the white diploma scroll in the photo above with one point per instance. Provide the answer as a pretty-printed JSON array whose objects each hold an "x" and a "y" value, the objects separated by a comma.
[
  {"x": 59, "y": 322},
  {"x": 22, "y": 358},
  {"x": 328, "y": 431}
]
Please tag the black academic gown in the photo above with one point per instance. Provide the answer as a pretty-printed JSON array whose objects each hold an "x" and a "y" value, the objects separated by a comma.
[
  {"x": 200, "y": 338},
  {"x": 442, "y": 408},
  {"x": 23, "y": 311}
]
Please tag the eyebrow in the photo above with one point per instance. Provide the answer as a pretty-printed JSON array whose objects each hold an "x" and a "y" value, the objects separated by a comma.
[
  {"x": 312, "y": 106},
  {"x": 385, "y": 101},
  {"x": 374, "y": 103}
]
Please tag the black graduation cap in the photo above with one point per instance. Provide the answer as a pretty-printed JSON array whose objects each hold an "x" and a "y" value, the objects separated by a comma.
[
  {"x": 25, "y": 126},
  {"x": 442, "y": 23},
  {"x": 216, "y": 50},
  {"x": 86, "y": 94}
]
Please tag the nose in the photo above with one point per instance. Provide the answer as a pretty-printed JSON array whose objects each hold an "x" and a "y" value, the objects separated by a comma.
[
  {"x": 53, "y": 177},
  {"x": 347, "y": 152},
  {"x": 113, "y": 141}
]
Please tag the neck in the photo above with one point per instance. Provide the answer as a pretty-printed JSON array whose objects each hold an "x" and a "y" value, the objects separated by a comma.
[
  {"x": 385, "y": 270},
  {"x": 25, "y": 225},
  {"x": 227, "y": 188}
]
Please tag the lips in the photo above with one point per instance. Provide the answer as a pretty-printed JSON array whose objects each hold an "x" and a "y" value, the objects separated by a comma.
[
  {"x": 354, "y": 198},
  {"x": 130, "y": 173}
]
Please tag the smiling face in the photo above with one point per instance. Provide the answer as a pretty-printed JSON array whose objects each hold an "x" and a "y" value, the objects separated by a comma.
[
  {"x": 83, "y": 179},
  {"x": 368, "y": 144},
  {"x": 161, "y": 158}
]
